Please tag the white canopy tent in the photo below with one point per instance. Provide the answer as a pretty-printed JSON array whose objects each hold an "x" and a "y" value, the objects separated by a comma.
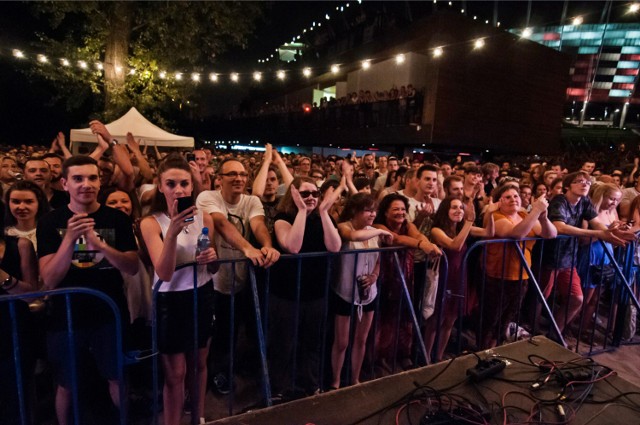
[{"x": 139, "y": 126}]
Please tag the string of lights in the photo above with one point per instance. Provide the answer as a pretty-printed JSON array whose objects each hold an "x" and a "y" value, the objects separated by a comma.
[{"x": 85, "y": 65}]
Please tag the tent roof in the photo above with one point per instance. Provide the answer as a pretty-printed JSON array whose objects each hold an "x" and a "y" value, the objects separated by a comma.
[{"x": 134, "y": 122}]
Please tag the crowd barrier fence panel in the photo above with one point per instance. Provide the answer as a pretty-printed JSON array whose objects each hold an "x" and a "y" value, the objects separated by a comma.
[{"x": 67, "y": 293}]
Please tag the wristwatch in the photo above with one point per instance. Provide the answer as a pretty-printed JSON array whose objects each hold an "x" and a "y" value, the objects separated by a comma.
[{"x": 113, "y": 142}]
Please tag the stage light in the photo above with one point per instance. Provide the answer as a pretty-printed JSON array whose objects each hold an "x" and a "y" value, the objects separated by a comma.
[
  {"x": 437, "y": 52},
  {"x": 280, "y": 74},
  {"x": 366, "y": 64},
  {"x": 306, "y": 72},
  {"x": 335, "y": 68},
  {"x": 400, "y": 58},
  {"x": 235, "y": 77},
  {"x": 479, "y": 43}
]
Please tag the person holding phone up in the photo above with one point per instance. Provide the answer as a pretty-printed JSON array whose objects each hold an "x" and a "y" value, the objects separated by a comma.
[{"x": 171, "y": 236}]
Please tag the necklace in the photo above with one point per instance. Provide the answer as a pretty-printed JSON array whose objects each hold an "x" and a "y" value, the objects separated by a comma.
[{"x": 185, "y": 229}]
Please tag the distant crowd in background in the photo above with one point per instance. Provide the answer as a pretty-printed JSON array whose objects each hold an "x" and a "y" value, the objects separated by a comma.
[
  {"x": 396, "y": 106},
  {"x": 61, "y": 229}
]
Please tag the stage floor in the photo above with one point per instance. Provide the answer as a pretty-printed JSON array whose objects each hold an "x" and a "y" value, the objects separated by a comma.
[{"x": 375, "y": 402}]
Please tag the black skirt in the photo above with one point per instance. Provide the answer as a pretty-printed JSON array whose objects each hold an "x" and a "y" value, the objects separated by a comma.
[{"x": 175, "y": 319}]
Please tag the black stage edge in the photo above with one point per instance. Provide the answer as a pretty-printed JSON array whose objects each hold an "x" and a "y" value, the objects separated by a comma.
[{"x": 364, "y": 404}]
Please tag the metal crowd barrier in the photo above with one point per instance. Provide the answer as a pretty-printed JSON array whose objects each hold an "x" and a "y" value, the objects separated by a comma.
[
  {"x": 260, "y": 294},
  {"x": 621, "y": 292},
  {"x": 67, "y": 293}
]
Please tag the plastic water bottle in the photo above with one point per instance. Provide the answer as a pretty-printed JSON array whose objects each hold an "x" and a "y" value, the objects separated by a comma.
[{"x": 203, "y": 241}]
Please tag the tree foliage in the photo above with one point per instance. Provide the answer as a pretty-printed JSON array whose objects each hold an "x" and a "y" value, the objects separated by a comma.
[{"x": 147, "y": 37}]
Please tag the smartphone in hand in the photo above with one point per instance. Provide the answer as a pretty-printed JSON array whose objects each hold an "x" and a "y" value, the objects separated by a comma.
[{"x": 184, "y": 203}]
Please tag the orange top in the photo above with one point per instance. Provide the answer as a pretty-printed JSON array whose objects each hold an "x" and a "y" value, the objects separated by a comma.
[{"x": 496, "y": 252}]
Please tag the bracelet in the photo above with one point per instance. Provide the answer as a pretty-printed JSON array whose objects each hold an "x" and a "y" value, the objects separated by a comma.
[{"x": 113, "y": 142}]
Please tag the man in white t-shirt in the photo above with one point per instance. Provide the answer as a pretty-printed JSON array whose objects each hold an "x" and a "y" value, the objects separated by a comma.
[{"x": 238, "y": 218}]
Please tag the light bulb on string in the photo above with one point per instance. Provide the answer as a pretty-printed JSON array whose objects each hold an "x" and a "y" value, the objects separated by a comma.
[
  {"x": 162, "y": 75},
  {"x": 366, "y": 64},
  {"x": 479, "y": 43},
  {"x": 235, "y": 77},
  {"x": 437, "y": 52},
  {"x": 335, "y": 68},
  {"x": 82, "y": 64},
  {"x": 257, "y": 76},
  {"x": 18, "y": 53},
  {"x": 306, "y": 72},
  {"x": 42, "y": 58},
  {"x": 281, "y": 75},
  {"x": 400, "y": 58},
  {"x": 195, "y": 77},
  {"x": 179, "y": 76},
  {"x": 213, "y": 77}
]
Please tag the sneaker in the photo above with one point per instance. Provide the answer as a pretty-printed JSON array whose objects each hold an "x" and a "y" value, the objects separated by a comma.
[{"x": 222, "y": 384}]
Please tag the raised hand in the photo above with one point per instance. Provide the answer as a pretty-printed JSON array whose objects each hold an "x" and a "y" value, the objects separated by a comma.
[
  {"x": 132, "y": 144},
  {"x": 297, "y": 199},
  {"x": 79, "y": 225},
  {"x": 100, "y": 129}
]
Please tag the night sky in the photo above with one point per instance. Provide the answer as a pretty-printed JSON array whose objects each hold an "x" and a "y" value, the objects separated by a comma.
[{"x": 30, "y": 117}]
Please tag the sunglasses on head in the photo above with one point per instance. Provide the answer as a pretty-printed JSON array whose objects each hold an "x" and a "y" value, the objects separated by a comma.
[{"x": 307, "y": 193}]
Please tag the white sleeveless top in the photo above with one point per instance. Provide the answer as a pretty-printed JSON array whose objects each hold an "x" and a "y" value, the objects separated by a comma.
[{"x": 182, "y": 279}]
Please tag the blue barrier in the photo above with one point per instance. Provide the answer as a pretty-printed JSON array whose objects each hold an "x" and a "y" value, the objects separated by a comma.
[{"x": 67, "y": 293}]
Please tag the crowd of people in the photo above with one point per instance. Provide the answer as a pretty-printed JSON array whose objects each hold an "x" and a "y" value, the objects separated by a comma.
[
  {"x": 364, "y": 108},
  {"x": 126, "y": 216}
]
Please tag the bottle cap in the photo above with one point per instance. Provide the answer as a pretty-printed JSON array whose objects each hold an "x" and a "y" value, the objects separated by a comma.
[{"x": 205, "y": 230}]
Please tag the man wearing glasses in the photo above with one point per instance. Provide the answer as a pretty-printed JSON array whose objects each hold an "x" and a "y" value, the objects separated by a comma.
[
  {"x": 238, "y": 218},
  {"x": 567, "y": 212}
]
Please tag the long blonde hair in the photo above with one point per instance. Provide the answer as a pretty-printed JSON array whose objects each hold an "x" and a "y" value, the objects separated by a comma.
[{"x": 600, "y": 190}]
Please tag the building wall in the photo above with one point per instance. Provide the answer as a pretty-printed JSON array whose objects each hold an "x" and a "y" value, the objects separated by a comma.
[
  {"x": 386, "y": 74},
  {"x": 509, "y": 96}
]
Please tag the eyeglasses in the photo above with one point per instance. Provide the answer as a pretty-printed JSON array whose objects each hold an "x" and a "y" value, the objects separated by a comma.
[
  {"x": 307, "y": 193},
  {"x": 587, "y": 182},
  {"x": 315, "y": 176},
  {"x": 235, "y": 174}
]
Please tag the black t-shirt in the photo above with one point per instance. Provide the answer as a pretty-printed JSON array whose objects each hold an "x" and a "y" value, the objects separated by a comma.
[
  {"x": 10, "y": 263},
  {"x": 314, "y": 269},
  {"x": 59, "y": 199},
  {"x": 88, "y": 269},
  {"x": 559, "y": 253}
]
